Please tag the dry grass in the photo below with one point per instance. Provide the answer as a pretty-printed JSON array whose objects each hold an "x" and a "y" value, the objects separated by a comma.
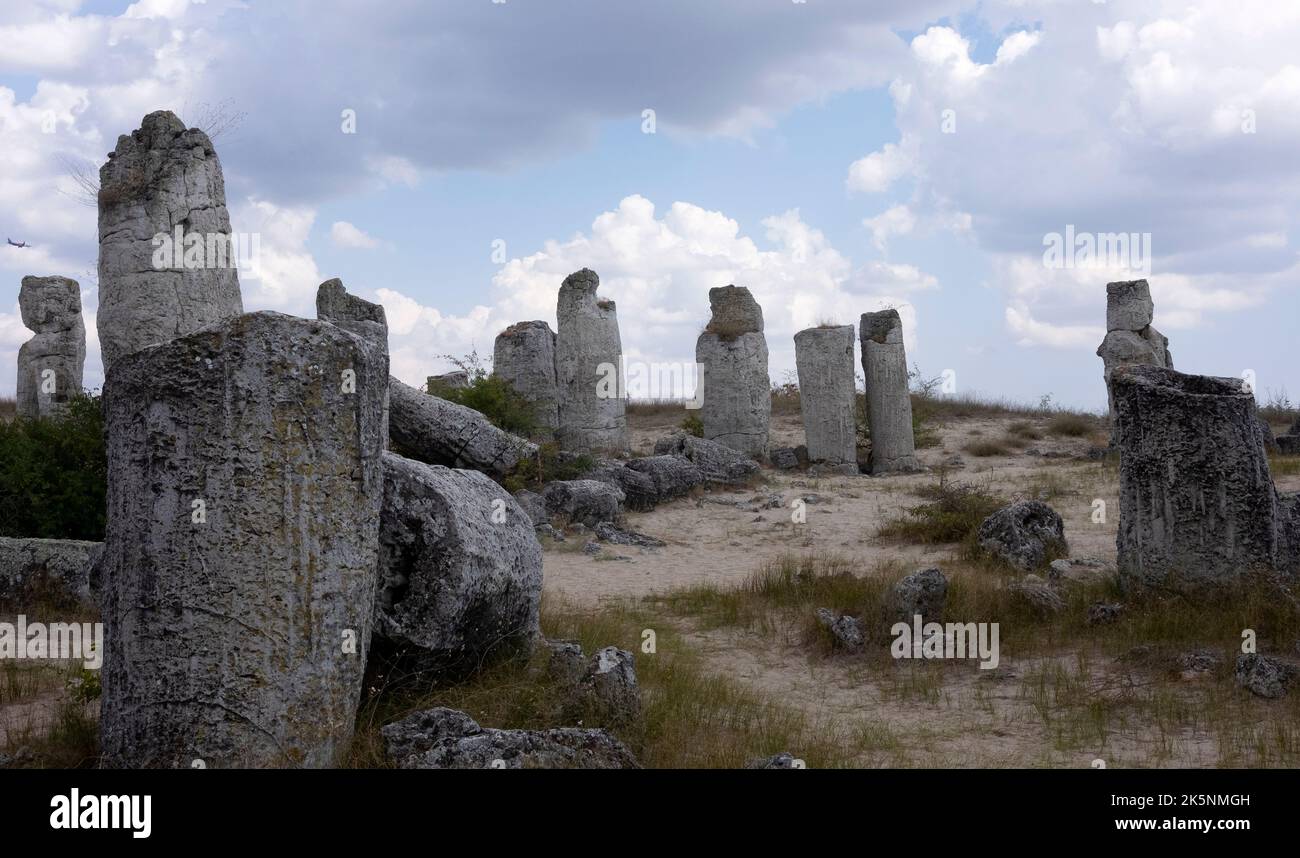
[
  {"x": 986, "y": 447},
  {"x": 1072, "y": 425},
  {"x": 953, "y": 514}
]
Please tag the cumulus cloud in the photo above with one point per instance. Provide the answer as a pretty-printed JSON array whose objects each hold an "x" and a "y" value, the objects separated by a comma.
[{"x": 344, "y": 234}]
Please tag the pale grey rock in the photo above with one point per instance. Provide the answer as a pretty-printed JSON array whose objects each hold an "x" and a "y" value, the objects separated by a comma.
[
  {"x": 610, "y": 685},
  {"x": 736, "y": 409},
  {"x": 359, "y": 316},
  {"x": 924, "y": 592},
  {"x": 446, "y": 739},
  {"x": 1079, "y": 570},
  {"x": 239, "y": 567},
  {"x": 162, "y": 177},
  {"x": 672, "y": 476},
  {"x": 889, "y": 403},
  {"x": 1128, "y": 305},
  {"x": 846, "y": 632},
  {"x": 50, "y": 364},
  {"x": 784, "y": 458},
  {"x": 639, "y": 491},
  {"x": 1264, "y": 676},
  {"x": 609, "y": 532},
  {"x": 783, "y": 760},
  {"x": 460, "y": 570},
  {"x": 533, "y": 505},
  {"x": 1038, "y": 595},
  {"x": 588, "y": 368},
  {"x": 717, "y": 463},
  {"x": 524, "y": 357},
  {"x": 439, "y": 432},
  {"x": 1197, "y": 502},
  {"x": 587, "y": 502},
  {"x": 827, "y": 393},
  {"x": 457, "y": 379},
  {"x": 1025, "y": 535},
  {"x": 54, "y": 572},
  {"x": 565, "y": 662}
]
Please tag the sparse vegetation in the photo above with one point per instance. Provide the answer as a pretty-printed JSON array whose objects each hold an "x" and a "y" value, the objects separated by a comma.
[
  {"x": 53, "y": 473},
  {"x": 1071, "y": 425},
  {"x": 549, "y": 464},
  {"x": 953, "y": 515},
  {"x": 491, "y": 396}
]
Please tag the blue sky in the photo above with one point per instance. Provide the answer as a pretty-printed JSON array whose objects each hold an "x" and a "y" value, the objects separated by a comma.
[{"x": 799, "y": 149}]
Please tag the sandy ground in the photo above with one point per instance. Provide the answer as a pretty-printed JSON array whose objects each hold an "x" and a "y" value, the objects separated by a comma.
[{"x": 959, "y": 716}]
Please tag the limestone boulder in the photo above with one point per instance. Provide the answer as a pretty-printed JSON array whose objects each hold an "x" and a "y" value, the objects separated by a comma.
[
  {"x": 717, "y": 463},
  {"x": 1026, "y": 535},
  {"x": 52, "y": 572},
  {"x": 439, "y": 432},
  {"x": 588, "y": 368},
  {"x": 524, "y": 357},
  {"x": 587, "y": 502}
]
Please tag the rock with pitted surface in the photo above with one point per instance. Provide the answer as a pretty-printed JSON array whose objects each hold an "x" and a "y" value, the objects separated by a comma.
[
  {"x": 524, "y": 357},
  {"x": 1038, "y": 595},
  {"x": 47, "y": 572},
  {"x": 923, "y": 592},
  {"x": 673, "y": 476},
  {"x": 737, "y": 392},
  {"x": 889, "y": 403},
  {"x": 162, "y": 181},
  {"x": 361, "y": 317},
  {"x": 639, "y": 492},
  {"x": 1026, "y": 535},
  {"x": 588, "y": 368},
  {"x": 717, "y": 463},
  {"x": 460, "y": 570},
  {"x": 1197, "y": 502},
  {"x": 1264, "y": 676},
  {"x": 845, "y": 631},
  {"x": 237, "y": 581},
  {"x": 50, "y": 364},
  {"x": 1131, "y": 339},
  {"x": 827, "y": 393},
  {"x": 447, "y": 739},
  {"x": 438, "y": 432},
  {"x": 587, "y": 502}
]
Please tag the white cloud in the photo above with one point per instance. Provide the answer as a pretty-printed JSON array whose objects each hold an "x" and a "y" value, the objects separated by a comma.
[
  {"x": 894, "y": 221},
  {"x": 344, "y": 234},
  {"x": 875, "y": 173}
]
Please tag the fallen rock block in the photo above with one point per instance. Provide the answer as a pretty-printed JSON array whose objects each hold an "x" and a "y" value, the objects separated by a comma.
[
  {"x": 439, "y": 432},
  {"x": 1038, "y": 595},
  {"x": 639, "y": 492},
  {"x": 460, "y": 570},
  {"x": 716, "y": 462},
  {"x": 783, "y": 458},
  {"x": 924, "y": 592},
  {"x": 53, "y": 572},
  {"x": 673, "y": 476},
  {"x": 1264, "y": 676},
  {"x": 607, "y": 532},
  {"x": 447, "y": 739},
  {"x": 1024, "y": 534},
  {"x": 846, "y": 632},
  {"x": 588, "y": 502}
]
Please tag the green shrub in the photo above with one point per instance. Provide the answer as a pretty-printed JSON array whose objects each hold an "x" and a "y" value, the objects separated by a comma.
[
  {"x": 693, "y": 425},
  {"x": 953, "y": 515},
  {"x": 52, "y": 474},
  {"x": 493, "y": 397}
]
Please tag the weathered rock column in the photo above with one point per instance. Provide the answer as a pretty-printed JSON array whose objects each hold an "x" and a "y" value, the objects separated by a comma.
[
  {"x": 162, "y": 182},
  {"x": 824, "y": 359},
  {"x": 239, "y": 570},
  {"x": 1131, "y": 339},
  {"x": 524, "y": 356},
  {"x": 732, "y": 351},
  {"x": 1197, "y": 503},
  {"x": 889, "y": 403},
  {"x": 50, "y": 364},
  {"x": 359, "y": 316},
  {"x": 588, "y": 367}
]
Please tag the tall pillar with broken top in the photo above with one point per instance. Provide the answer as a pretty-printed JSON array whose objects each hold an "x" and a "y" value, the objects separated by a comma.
[
  {"x": 588, "y": 368},
  {"x": 827, "y": 393},
  {"x": 50, "y": 364},
  {"x": 889, "y": 402},
  {"x": 732, "y": 352}
]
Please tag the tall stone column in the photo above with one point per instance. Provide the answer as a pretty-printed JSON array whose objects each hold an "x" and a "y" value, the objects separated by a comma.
[
  {"x": 588, "y": 367},
  {"x": 1131, "y": 339},
  {"x": 1197, "y": 503},
  {"x": 240, "y": 561},
  {"x": 889, "y": 403},
  {"x": 524, "y": 357},
  {"x": 732, "y": 350},
  {"x": 827, "y": 396},
  {"x": 162, "y": 183},
  {"x": 50, "y": 364}
]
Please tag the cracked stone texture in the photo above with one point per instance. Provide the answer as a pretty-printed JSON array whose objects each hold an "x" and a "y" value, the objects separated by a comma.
[
  {"x": 732, "y": 353},
  {"x": 433, "y": 430},
  {"x": 1024, "y": 535},
  {"x": 716, "y": 463},
  {"x": 159, "y": 177},
  {"x": 889, "y": 404},
  {"x": 588, "y": 370},
  {"x": 827, "y": 393},
  {"x": 1131, "y": 339},
  {"x": 361, "y": 317},
  {"x": 1128, "y": 305},
  {"x": 587, "y": 501},
  {"x": 460, "y": 570},
  {"x": 923, "y": 592},
  {"x": 1197, "y": 502},
  {"x": 447, "y": 739},
  {"x": 47, "y": 571},
  {"x": 50, "y": 307},
  {"x": 524, "y": 356},
  {"x": 639, "y": 491},
  {"x": 226, "y": 634}
]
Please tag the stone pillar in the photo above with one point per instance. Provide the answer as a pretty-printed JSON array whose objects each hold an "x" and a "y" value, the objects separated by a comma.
[
  {"x": 240, "y": 562},
  {"x": 824, "y": 359},
  {"x": 160, "y": 183},
  {"x": 588, "y": 368},
  {"x": 732, "y": 351},
  {"x": 359, "y": 316},
  {"x": 524, "y": 356},
  {"x": 50, "y": 364},
  {"x": 1131, "y": 339},
  {"x": 889, "y": 403},
  {"x": 1197, "y": 503}
]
